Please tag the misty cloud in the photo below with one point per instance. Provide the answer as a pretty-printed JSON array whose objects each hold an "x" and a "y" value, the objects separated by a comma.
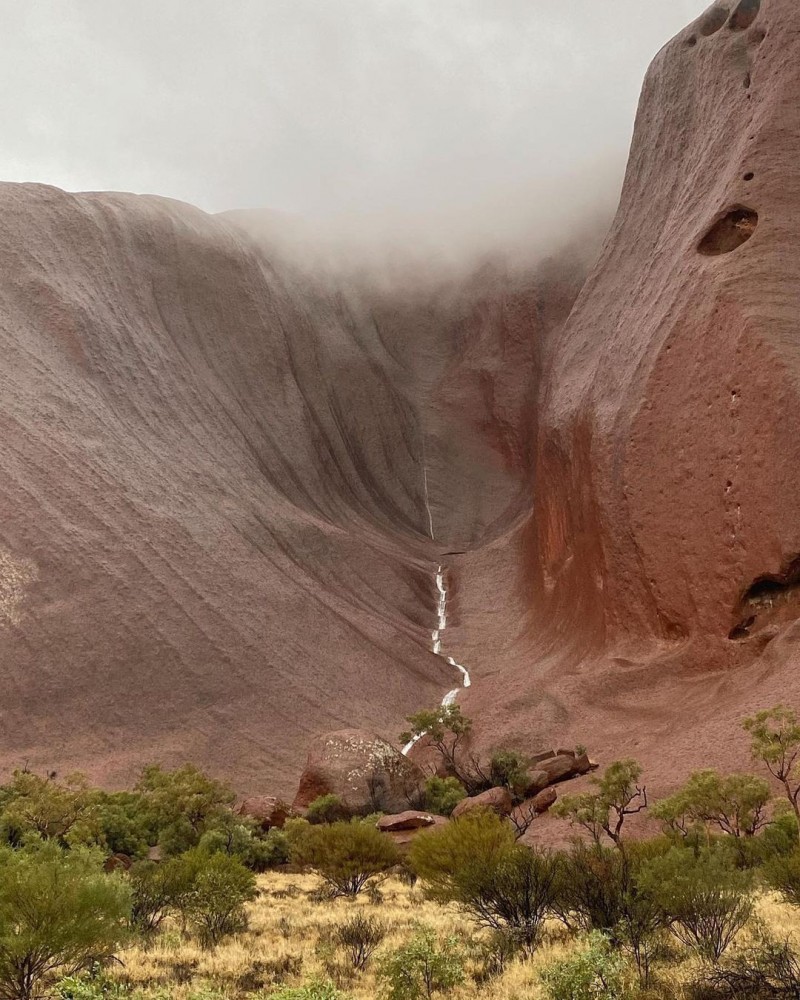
[{"x": 401, "y": 109}]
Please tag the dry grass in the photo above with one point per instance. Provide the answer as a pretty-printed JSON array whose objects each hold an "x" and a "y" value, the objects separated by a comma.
[{"x": 288, "y": 942}]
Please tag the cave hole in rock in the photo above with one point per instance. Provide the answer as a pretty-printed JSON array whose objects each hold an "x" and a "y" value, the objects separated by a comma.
[
  {"x": 765, "y": 593},
  {"x": 713, "y": 20},
  {"x": 748, "y": 80},
  {"x": 691, "y": 41},
  {"x": 729, "y": 232},
  {"x": 749, "y": 175},
  {"x": 744, "y": 14}
]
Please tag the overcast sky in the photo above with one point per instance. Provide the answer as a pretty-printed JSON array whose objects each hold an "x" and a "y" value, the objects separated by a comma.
[{"x": 325, "y": 106}]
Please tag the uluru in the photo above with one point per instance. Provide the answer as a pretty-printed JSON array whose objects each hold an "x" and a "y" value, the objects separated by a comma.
[{"x": 258, "y": 487}]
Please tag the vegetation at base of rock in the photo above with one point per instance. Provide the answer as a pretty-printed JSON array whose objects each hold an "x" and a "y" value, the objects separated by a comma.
[
  {"x": 442, "y": 795},
  {"x": 618, "y": 794},
  {"x": 349, "y": 857},
  {"x": 327, "y": 809}
]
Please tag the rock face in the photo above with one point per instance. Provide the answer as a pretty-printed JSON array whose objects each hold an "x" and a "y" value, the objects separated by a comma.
[
  {"x": 367, "y": 773},
  {"x": 220, "y": 476},
  {"x": 268, "y": 811},
  {"x": 227, "y": 483},
  {"x": 664, "y": 540},
  {"x": 497, "y": 799}
]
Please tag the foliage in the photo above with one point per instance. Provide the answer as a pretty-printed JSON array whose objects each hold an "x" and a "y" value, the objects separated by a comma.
[
  {"x": 327, "y": 809},
  {"x": 509, "y": 769},
  {"x": 736, "y": 804},
  {"x": 316, "y": 990},
  {"x": 349, "y": 857},
  {"x": 93, "y": 985},
  {"x": 775, "y": 734},
  {"x": 58, "y": 912},
  {"x": 157, "y": 890},
  {"x": 442, "y": 795},
  {"x": 422, "y": 968},
  {"x": 782, "y": 873},
  {"x": 595, "y": 972},
  {"x": 446, "y": 730},
  {"x": 216, "y": 888},
  {"x": 475, "y": 863},
  {"x": 182, "y": 804},
  {"x": 32, "y": 804},
  {"x": 360, "y": 936},
  {"x": 618, "y": 795},
  {"x": 704, "y": 898},
  {"x": 244, "y": 840},
  {"x": 590, "y": 888},
  {"x": 766, "y": 970}
]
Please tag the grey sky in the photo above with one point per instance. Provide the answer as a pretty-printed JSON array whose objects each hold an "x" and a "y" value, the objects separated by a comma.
[{"x": 325, "y": 106}]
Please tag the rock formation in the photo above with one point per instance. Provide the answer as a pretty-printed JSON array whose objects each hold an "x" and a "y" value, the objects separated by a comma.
[{"x": 228, "y": 481}]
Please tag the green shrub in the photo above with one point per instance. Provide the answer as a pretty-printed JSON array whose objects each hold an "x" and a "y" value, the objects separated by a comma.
[
  {"x": 509, "y": 769},
  {"x": 316, "y": 990},
  {"x": 590, "y": 887},
  {"x": 58, "y": 910},
  {"x": 618, "y": 794},
  {"x": 90, "y": 986},
  {"x": 327, "y": 809},
  {"x": 442, "y": 795},
  {"x": 422, "y": 968},
  {"x": 219, "y": 886},
  {"x": 595, "y": 972},
  {"x": 783, "y": 875},
  {"x": 735, "y": 804},
  {"x": 349, "y": 857},
  {"x": 360, "y": 936},
  {"x": 243, "y": 840},
  {"x": 476, "y": 863},
  {"x": 766, "y": 970},
  {"x": 705, "y": 899},
  {"x": 182, "y": 805},
  {"x": 157, "y": 890}
]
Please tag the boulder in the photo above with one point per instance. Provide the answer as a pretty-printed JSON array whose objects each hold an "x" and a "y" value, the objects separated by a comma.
[
  {"x": 404, "y": 838},
  {"x": 544, "y": 800},
  {"x": 559, "y": 768},
  {"x": 583, "y": 764},
  {"x": 543, "y": 755},
  {"x": 537, "y": 780},
  {"x": 497, "y": 799},
  {"x": 408, "y": 820},
  {"x": 267, "y": 810},
  {"x": 366, "y": 772}
]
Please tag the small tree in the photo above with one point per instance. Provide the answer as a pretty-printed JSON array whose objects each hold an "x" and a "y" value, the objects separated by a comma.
[
  {"x": 422, "y": 968},
  {"x": 349, "y": 857},
  {"x": 182, "y": 804},
  {"x": 44, "y": 806},
  {"x": 782, "y": 874},
  {"x": 59, "y": 912},
  {"x": 705, "y": 899},
  {"x": 446, "y": 730},
  {"x": 603, "y": 811},
  {"x": 591, "y": 886},
  {"x": 442, "y": 795},
  {"x": 214, "y": 902},
  {"x": 157, "y": 890},
  {"x": 775, "y": 734},
  {"x": 475, "y": 863},
  {"x": 360, "y": 936},
  {"x": 736, "y": 804},
  {"x": 509, "y": 769}
]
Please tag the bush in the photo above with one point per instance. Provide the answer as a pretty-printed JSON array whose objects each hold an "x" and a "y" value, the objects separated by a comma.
[
  {"x": 735, "y": 804},
  {"x": 244, "y": 841},
  {"x": 316, "y": 990},
  {"x": 618, "y": 794},
  {"x": 768, "y": 970},
  {"x": 783, "y": 875},
  {"x": 219, "y": 887},
  {"x": 422, "y": 968},
  {"x": 442, "y": 795},
  {"x": 476, "y": 863},
  {"x": 595, "y": 972},
  {"x": 509, "y": 769},
  {"x": 349, "y": 857},
  {"x": 58, "y": 910},
  {"x": 704, "y": 898},
  {"x": 156, "y": 891},
  {"x": 360, "y": 936},
  {"x": 327, "y": 809},
  {"x": 590, "y": 888}
]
